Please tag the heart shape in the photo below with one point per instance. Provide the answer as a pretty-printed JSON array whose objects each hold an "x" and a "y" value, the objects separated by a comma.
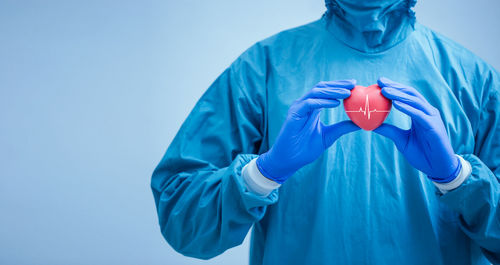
[{"x": 367, "y": 107}]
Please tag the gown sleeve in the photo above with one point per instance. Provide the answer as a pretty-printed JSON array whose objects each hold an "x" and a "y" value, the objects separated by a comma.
[
  {"x": 203, "y": 205},
  {"x": 477, "y": 200}
]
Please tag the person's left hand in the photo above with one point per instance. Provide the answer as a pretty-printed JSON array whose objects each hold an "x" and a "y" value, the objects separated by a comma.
[{"x": 425, "y": 145}]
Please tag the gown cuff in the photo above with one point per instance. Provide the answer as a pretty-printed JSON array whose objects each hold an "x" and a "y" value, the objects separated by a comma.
[
  {"x": 465, "y": 172},
  {"x": 256, "y": 182}
]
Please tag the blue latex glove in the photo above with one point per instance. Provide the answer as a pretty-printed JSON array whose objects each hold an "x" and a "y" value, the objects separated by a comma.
[
  {"x": 303, "y": 137},
  {"x": 425, "y": 145}
]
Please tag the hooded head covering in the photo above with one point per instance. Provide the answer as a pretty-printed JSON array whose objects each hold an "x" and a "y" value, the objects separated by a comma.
[{"x": 370, "y": 25}]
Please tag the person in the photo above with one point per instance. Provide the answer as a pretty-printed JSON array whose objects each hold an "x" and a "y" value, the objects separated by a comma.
[{"x": 268, "y": 147}]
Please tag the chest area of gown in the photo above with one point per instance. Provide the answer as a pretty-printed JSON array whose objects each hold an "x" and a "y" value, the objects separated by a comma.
[{"x": 284, "y": 86}]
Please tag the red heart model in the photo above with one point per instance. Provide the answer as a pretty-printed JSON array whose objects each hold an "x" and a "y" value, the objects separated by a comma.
[{"x": 367, "y": 107}]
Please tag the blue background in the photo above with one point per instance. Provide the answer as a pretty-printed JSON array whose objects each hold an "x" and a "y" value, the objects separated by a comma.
[{"x": 92, "y": 92}]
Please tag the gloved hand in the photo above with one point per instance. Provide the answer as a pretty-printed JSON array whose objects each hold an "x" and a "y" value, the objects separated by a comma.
[
  {"x": 303, "y": 137},
  {"x": 425, "y": 145}
]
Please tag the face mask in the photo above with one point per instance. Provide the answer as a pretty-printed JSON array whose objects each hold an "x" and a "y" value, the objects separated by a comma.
[
  {"x": 368, "y": 16},
  {"x": 373, "y": 21}
]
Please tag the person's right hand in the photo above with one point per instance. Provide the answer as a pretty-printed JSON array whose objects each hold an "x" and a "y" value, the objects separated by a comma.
[{"x": 303, "y": 137}]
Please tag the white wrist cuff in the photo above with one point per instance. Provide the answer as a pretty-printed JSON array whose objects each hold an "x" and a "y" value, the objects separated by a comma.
[
  {"x": 255, "y": 181},
  {"x": 462, "y": 176}
]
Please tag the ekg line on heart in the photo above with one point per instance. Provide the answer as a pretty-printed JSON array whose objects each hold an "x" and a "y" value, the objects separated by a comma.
[{"x": 367, "y": 110}]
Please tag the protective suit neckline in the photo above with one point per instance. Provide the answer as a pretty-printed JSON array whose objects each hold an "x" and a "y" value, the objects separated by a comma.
[{"x": 370, "y": 26}]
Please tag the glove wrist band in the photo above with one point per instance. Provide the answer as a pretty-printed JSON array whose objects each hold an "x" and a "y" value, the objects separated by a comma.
[
  {"x": 255, "y": 181},
  {"x": 465, "y": 172}
]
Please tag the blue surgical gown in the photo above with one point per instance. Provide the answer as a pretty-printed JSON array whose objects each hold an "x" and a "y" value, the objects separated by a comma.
[{"x": 360, "y": 202}]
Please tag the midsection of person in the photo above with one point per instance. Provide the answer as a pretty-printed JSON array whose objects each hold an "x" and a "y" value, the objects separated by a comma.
[
  {"x": 362, "y": 191},
  {"x": 422, "y": 188}
]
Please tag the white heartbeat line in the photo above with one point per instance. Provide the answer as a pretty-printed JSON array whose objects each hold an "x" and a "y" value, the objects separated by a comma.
[{"x": 367, "y": 110}]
